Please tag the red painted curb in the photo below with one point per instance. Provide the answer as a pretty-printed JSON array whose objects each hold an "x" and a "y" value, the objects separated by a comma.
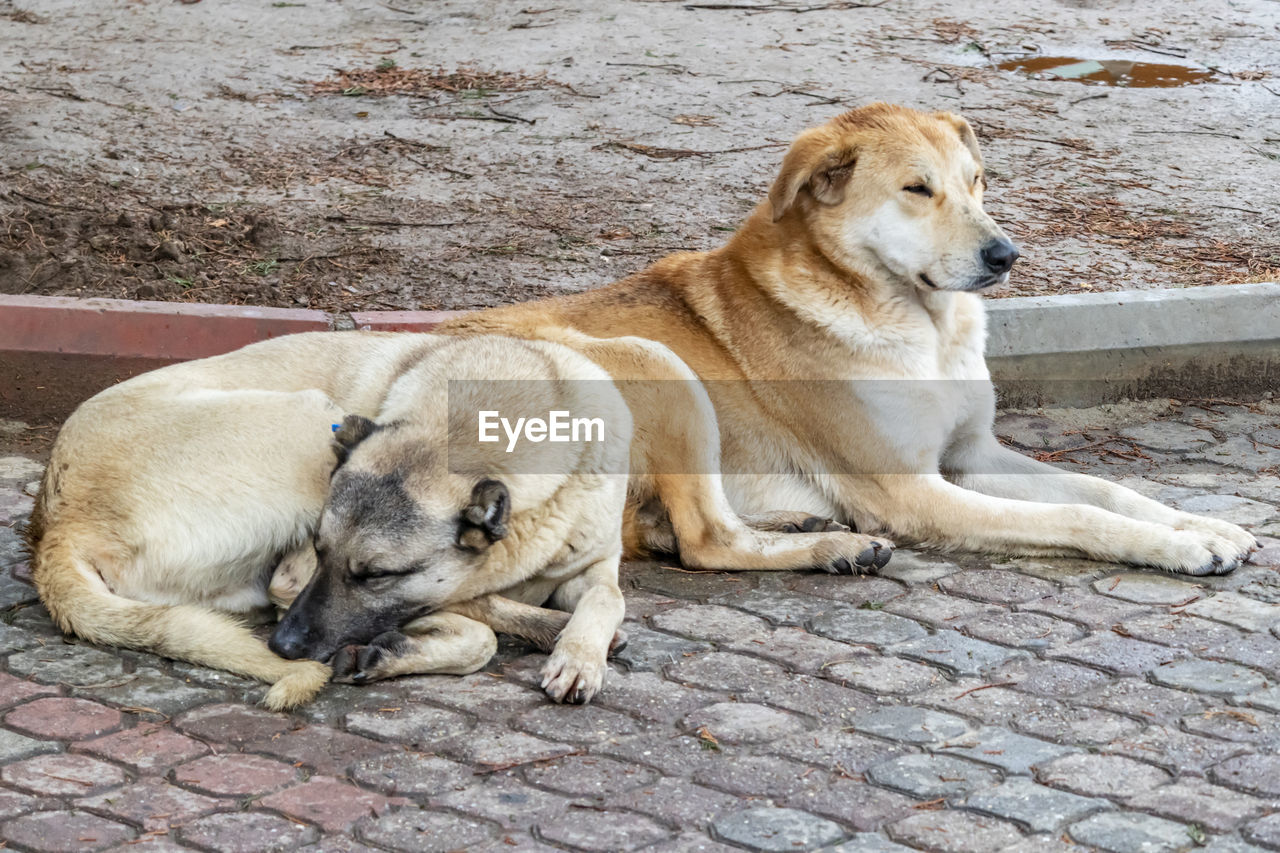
[
  {"x": 57, "y": 351},
  {"x": 125, "y": 329}
]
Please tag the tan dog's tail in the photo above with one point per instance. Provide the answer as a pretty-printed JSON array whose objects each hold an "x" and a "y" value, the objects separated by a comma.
[{"x": 82, "y": 604}]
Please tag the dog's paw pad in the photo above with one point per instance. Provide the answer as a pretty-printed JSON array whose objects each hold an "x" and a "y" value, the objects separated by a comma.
[{"x": 875, "y": 556}]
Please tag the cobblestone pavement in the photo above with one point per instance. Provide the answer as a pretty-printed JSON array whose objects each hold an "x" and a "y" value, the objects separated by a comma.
[{"x": 946, "y": 704}]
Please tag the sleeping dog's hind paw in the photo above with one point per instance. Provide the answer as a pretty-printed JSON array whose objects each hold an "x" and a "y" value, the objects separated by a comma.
[{"x": 816, "y": 524}]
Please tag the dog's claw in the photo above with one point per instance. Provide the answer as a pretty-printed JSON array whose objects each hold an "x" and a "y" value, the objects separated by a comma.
[
  {"x": 620, "y": 640},
  {"x": 883, "y": 556}
]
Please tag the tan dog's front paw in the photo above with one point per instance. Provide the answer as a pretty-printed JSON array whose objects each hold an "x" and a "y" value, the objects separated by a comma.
[
  {"x": 568, "y": 677},
  {"x": 1244, "y": 542},
  {"x": 1198, "y": 554},
  {"x": 851, "y": 553}
]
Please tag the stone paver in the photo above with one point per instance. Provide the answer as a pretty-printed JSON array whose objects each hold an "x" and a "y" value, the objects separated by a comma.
[
  {"x": 1255, "y": 773},
  {"x": 248, "y": 832},
  {"x": 955, "y": 832},
  {"x": 413, "y": 726},
  {"x": 1038, "y": 808},
  {"x": 777, "y": 830},
  {"x": 929, "y": 777},
  {"x": 1213, "y": 807},
  {"x": 952, "y": 703},
  {"x": 869, "y": 627},
  {"x": 65, "y": 832},
  {"x": 1265, "y": 832},
  {"x": 427, "y": 831},
  {"x": 235, "y": 775},
  {"x": 859, "y": 805},
  {"x": 1205, "y": 676},
  {"x": 14, "y": 691},
  {"x": 743, "y": 722},
  {"x": 331, "y": 804},
  {"x": 152, "y": 804},
  {"x": 1148, "y": 588},
  {"x": 1236, "y": 609},
  {"x": 602, "y": 831},
  {"x": 412, "y": 773},
  {"x": 1008, "y": 750},
  {"x": 146, "y": 748},
  {"x": 62, "y": 775},
  {"x": 955, "y": 652},
  {"x": 14, "y": 746},
  {"x": 63, "y": 719},
  {"x": 1131, "y": 833},
  {"x": 912, "y": 725},
  {"x": 1101, "y": 775}
]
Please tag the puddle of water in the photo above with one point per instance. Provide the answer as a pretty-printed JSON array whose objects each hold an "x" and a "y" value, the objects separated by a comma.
[{"x": 1109, "y": 72}]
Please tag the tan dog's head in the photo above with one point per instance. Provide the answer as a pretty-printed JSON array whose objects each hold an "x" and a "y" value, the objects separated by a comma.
[
  {"x": 896, "y": 193},
  {"x": 398, "y": 535}
]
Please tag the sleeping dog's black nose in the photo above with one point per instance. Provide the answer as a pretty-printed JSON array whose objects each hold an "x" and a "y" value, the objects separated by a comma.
[
  {"x": 287, "y": 642},
  {"x": 999, "y": 256}
]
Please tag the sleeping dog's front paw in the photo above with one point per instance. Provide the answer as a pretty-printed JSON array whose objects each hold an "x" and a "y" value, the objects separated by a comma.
[
  {"x": 362, "y": 664},
  {"x": 570, "y": 677}
]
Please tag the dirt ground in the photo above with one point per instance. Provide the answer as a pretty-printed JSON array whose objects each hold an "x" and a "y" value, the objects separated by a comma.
[{"x": 455, "y": 154}]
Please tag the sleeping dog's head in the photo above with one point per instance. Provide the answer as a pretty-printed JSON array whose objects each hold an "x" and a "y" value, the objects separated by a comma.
[
  {"x": 896, "y": 193},
  {"x": 398, "y": 536}
]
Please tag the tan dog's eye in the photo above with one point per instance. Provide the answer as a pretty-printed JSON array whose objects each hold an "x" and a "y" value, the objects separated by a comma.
[{"x": 919, "y": 189}]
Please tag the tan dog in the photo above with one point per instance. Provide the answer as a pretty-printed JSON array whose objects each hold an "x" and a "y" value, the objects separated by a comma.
[
  {"x": 169, "y": 499},
  {"x": 853, "y": 291}
]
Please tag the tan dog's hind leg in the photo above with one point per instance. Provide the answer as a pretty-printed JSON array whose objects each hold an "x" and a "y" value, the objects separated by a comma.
[{"x": 676, "y": 457}]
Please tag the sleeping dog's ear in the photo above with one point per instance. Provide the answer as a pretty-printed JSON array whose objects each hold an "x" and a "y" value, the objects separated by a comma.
[
  {"x": 484, "y": 518},
  {"x": 819, "y": 161},
  {"x": 354, "y": 429}
]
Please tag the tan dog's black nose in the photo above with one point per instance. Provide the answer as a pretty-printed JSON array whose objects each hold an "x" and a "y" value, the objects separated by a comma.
[{"x": 999, "y": 256}]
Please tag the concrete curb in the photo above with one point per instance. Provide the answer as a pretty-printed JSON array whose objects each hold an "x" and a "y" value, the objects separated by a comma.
[
  {"x": 1089, "y": 348},
  {"x": 1076, "y": 349}
]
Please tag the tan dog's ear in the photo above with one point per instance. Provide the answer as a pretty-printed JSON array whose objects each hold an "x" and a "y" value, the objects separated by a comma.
[
  {"x": 965, "y": 130},
  {"x": 818, "y": 161}
]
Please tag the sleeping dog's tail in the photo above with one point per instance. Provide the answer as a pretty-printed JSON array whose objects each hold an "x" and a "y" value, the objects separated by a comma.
[{"x": 82, "y": 604}]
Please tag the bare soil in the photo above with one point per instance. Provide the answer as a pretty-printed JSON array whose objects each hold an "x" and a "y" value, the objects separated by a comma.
[{"x": 465, "y": 153}]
